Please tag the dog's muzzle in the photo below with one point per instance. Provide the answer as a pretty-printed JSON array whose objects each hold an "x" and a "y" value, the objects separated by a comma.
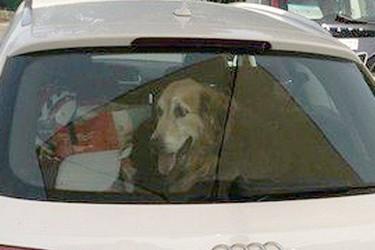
[{"x": 168, "y": 161}]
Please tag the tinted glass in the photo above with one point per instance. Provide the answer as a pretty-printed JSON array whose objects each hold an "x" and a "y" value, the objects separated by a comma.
[{"x": 183, "y": 127}]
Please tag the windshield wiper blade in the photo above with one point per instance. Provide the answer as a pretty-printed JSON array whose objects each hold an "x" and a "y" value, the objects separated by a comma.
[
  {"x": 345, "y": 19},
  {"x": 315, "y": 193}
]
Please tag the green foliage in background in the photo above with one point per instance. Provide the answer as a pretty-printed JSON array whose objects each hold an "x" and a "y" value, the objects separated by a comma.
[{"x": 10, "y": 4}]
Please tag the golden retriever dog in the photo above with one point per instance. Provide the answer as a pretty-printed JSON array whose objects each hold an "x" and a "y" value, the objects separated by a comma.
[{"x": 188, "y": 132}]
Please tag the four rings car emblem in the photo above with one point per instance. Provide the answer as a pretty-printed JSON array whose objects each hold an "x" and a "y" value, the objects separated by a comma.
[{"x": 252, "y": 246}]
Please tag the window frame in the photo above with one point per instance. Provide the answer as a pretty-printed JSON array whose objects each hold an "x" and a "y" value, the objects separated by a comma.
[{"x": 13, "y": 186}]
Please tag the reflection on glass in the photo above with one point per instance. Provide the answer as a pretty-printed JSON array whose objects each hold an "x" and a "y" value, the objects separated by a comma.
[{"x": 204, "y": 128}]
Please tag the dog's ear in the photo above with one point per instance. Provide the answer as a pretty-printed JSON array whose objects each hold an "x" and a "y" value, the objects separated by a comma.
[{"x": 214, "y": 107}]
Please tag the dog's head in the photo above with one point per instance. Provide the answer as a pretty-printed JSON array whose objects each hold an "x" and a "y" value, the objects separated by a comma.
[{"x": 190, "y": 117}]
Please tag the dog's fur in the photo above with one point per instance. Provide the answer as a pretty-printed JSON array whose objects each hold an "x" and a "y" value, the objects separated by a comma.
[{"x": 189, "y": 132}]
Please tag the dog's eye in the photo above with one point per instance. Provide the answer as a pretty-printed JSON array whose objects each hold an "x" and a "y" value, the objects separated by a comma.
[{"x": 180, "y": 111}]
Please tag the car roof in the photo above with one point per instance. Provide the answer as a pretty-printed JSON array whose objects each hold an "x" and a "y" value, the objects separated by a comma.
[{"x": 61, "y": 24}]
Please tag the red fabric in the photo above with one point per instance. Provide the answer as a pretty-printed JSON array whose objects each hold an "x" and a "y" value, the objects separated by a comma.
[{"x": 93, "y": 135}]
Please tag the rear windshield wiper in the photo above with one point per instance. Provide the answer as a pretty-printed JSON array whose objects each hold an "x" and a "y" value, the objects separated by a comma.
[
  {"x": 308, "y": 194},
  {"x": 325, "y": 193},
  {"x": 345, "y": 19}
]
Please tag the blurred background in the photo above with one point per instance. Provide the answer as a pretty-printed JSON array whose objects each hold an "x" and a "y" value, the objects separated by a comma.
[{"x": 10, "y": 4}]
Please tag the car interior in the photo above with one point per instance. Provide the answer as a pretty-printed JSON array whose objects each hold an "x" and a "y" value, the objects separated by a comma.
[
  {"x": 88, "y": 116},
  {"x": 94, "y": 123}
]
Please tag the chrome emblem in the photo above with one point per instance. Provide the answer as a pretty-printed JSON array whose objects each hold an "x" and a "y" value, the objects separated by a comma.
[{"x": 252, "y": 246}]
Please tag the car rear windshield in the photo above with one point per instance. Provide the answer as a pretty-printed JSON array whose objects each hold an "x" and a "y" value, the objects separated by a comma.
[{"x": 191, "y": 127}]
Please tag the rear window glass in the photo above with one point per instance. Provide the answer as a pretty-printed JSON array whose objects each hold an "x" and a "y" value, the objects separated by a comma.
[
  {"x": 309, "y": 9},
  {"x": 183, "y": 127}
]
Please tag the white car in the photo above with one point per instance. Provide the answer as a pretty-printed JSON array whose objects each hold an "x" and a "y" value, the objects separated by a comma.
[{"x": 168, "y": 125}]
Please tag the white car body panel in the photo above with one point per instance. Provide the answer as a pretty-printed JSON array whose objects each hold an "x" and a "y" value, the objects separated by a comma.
[
  {"x": 323, "y": 224},
  {"x": 75, "y": 26},
  {"x": 317, "y": 224}
]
